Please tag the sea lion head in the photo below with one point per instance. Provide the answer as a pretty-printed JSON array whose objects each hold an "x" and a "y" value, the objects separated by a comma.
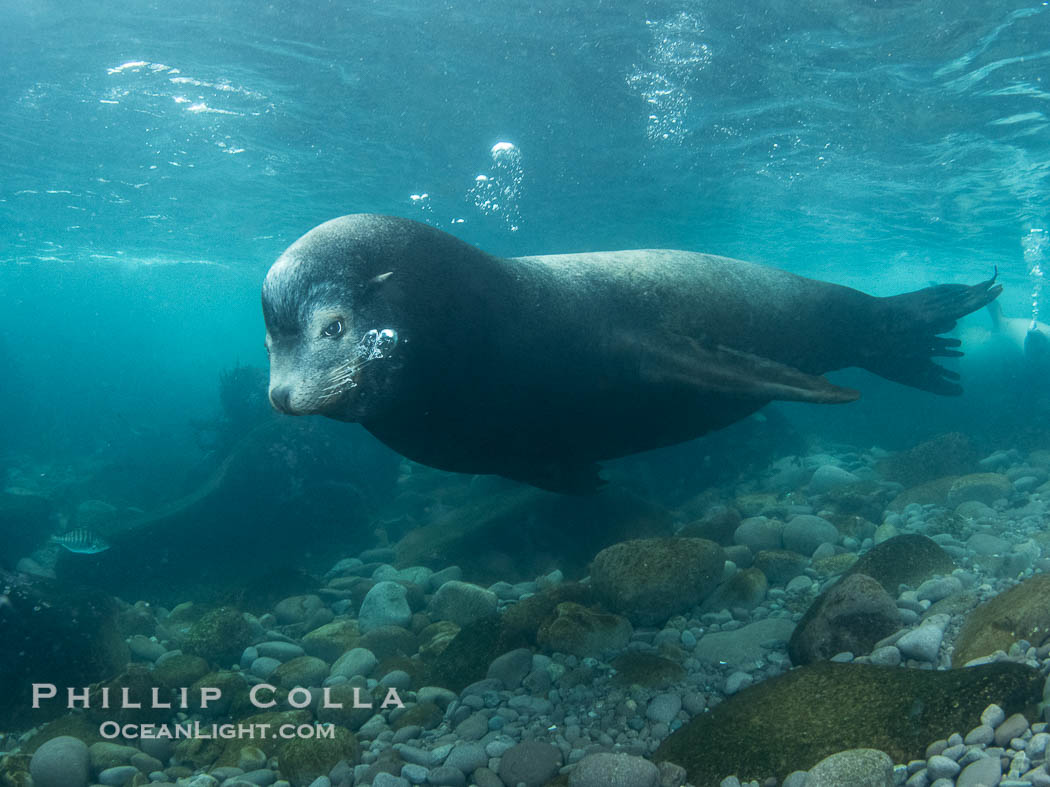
[{"x": 330, "y": 303}]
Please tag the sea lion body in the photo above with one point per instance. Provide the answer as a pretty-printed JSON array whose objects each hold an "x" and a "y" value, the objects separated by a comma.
[{"x": 535, "y": 368}]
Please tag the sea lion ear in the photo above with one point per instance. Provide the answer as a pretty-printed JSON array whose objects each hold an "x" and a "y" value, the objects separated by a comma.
[{"x": 377, "y": 280}]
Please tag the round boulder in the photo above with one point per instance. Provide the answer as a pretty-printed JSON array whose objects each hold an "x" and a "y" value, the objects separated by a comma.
[
  {"x": 604, "y": 769},
  {"x": 300, "y": 671},
  {"x": 385, "y": 604},
  {"x": 60, "y": 762},
  {"x": 759, "y": 532},
  {"x": 532, "y": 763},
  {"x": 584, "y": 632},
  {"x": 851, "y": 615},
  {"x": 462, "y": 603},
  {"x": 828, "y": 477},
  {"x": 805, "y": 532},
  {"x": 650, "y": 579},
  {"x": 856, "y": 767},
  {"x": 980, "y": 487}
]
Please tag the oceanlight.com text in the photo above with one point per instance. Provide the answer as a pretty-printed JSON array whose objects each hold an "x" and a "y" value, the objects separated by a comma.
[{"x": 195, "y": 730}]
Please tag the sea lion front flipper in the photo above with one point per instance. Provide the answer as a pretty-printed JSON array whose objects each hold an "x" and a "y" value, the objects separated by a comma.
[
  {"x": 674, "y": 359},
  {"x": 565, "y": 478}
]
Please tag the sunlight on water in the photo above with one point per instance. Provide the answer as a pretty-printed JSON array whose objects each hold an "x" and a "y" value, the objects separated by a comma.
[
  {"x": 675, "y": 58},
  {"x": 1034, "y": 244}
]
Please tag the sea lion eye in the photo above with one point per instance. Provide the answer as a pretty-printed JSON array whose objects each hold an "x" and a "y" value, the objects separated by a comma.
[{"x": 333, "y": 329}]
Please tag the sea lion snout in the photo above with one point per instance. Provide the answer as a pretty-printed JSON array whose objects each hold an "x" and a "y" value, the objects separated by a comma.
[{"x": 281, "y": 399}]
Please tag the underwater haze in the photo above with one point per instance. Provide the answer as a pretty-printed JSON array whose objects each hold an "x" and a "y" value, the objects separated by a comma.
[{"x": 157, "y": 513}]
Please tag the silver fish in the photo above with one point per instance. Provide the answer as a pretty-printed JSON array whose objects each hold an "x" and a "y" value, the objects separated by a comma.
[{"x": 82, "y": 542}]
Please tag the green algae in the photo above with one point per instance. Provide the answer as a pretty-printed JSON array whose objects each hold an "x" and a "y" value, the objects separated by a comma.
[{"x": 793, "y": 721}]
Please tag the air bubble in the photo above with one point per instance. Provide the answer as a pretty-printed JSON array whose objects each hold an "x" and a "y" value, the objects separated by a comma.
[
  {"x": 498, "y": 193},
  {"x": 377, "y": 344},
  {"x": 1034, "y": 243}
]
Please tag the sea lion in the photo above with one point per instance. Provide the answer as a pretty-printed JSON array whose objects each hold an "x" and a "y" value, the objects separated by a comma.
[
  {"x": 1004, "y": 350},
  {"x": 535, "y": 368}
]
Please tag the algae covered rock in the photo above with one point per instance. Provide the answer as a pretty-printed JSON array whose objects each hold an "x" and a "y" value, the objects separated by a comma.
[
  {"x": 140, "y": 681},
  {"x": 584, "y": 632},
  {"x": 945, "y": 455},
  {"x": 234, "y": 699},
  {"x": 746, "y": 589},
  {"x": 462, "y": 603},
  {"x": 350, "y": 695},
  {"x": 851, "y": 615},
  {"x": 523, "y": 621},
  {"x": 780, "y": 565},
  {"x": 74, "y": 724},
  {"x": 14, "y": 770},
  {"x": 331, "y": 640},
  {"x": 935, "y": 492},
  {"x": 467, "y": 657},
  {"x": 650, "y": 579},
  {"x": 855, "y": 767},
  {"x": 1021, "y": 612},
  {"x": 979, "y": 487},
  {"x": 646, "y": 669},
  {"x": 300, "y": 671},
  {"x": 302, "y": 760},
  {"x": 180, "y": 670},
  {"x": 209, "y": 753},
  {"x": 908, "y": 559},
  {"x": 614, "y": 769},
  {"x": 793, "y": 721},
  {"x": 218, "y": 636}
]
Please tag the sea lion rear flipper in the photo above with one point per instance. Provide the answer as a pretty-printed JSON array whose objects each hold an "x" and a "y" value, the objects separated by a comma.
[
  {"x": 674, "y": 359},
  {"x": 903, "y": 338}
]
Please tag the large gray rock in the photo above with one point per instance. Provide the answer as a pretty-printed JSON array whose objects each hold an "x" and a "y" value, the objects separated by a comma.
[
  {"x": 512, "y": 667},
  {"x": 297, "y": 609},
  {"x": 356, "y": 661},
  {"x": 828, "y": 477},
  {"x": 741, "y": 648},
  {"x": 584, "y": 632},
  {"x": 385, "y": 604},
  {"x": 759, "y": 532},
  {"x": 532, "y": 763},
  {"x": 855, "y": 767},
  {"x": 60, "y": 762},
  {"x": 650, "y": 579},
  {"x": 851, "y": 616},
  {"x": 981, "y": 773},
  {"x": 462, "y": 603},
  {"x": 924, "y": 643},
  {"x": 805, "y": 532},
  {"x": 604, "y": 769},
  {"x": 467, "y": 756}
]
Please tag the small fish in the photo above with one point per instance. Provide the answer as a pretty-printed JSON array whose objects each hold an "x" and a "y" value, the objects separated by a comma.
[{"x": 82, "y": 542}]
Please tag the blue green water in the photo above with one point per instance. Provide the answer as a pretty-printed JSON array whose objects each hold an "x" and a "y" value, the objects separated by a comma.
[{"x": 155, "y": 159}]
